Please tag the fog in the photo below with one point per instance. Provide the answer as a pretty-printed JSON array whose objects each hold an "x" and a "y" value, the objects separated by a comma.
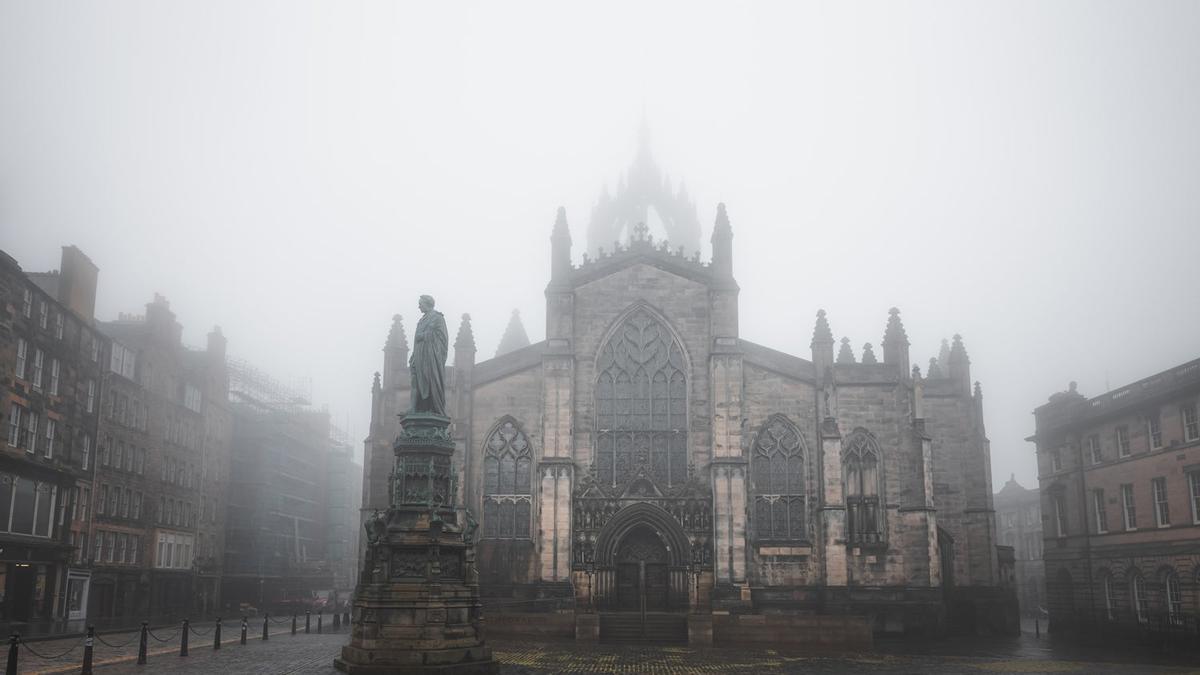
[{"x": 1022, "y": 173}]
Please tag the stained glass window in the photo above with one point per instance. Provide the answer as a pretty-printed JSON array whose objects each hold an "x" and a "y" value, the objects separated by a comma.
[
  {"x": 507, "y": 483},
  {"x": 860, "y": 467},
  {"x": 641, "y": 405},
  {"x": 777, "y": 463}
]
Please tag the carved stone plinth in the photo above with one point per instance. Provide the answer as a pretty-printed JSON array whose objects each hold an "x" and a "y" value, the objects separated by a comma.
[{"x": 416, "y": 607}]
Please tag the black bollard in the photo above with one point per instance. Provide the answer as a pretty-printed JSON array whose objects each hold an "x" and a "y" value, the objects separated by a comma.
[
  {"x": 217, "y": 634},
  {"x": 243, "y": 639},
  {"x": 337, "y": 620},
  {"x": 142, "y": 646},
  {"x": 346, "y": 618},
  {"x": 87, "y": 651},
  {"x": 307, "y": 621},
  {"x": 293, "y": 623},
  {"x": 183, "y": 638},
  {"x": 1037, "y": 628},
  {"x": 11, "y": 668},
  {"x": 266, "y": 618},
  {"x": 319, "y": 622}
]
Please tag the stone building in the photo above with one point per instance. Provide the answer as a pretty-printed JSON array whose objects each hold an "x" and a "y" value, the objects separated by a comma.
[
  {"x": 647, "y": 455},
  {"x": 1019, "y": 525},
  {"x": 50, "y": 375},
  {"x": 1120, "y": 491},
  {"x": 162, "y": 469}
]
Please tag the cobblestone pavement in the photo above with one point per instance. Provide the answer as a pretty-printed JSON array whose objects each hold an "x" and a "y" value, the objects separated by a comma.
[{"x": 313, "y": 654}]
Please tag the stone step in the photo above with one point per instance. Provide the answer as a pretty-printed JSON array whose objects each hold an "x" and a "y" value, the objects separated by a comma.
[{"x": 658, "y": 628}]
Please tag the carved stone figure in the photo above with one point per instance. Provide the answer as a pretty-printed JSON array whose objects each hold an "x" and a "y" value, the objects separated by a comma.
[
  {"x": 376, "y": 527},
  {"x": 428, "y": 363}
]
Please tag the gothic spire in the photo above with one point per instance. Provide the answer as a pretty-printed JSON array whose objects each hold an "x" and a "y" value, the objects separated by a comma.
[
  {"x": 894, "y": 333},
  {"x": 935, "y": 371},
  {"x": 944, "y": 354},
  {"x": 722, "y": 244},
  {"x": 466, "y": 336},
  {"x": 845, "y": 355},
  {"x": 514, "y": 336},
  {"x": 560, "y": 247},
  {"x": 821, "y": 333},
  {"x": 895, "y": 343},
  {"x": 396, "y": 338},
  {"x": 868, "y": 354}
]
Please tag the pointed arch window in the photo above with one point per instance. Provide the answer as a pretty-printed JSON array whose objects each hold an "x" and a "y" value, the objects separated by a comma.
[
  {"x": 864, "y": 480},
  {"x": 507, "y": 483},
  {"x": 779, "y": 471},
  {"x": 641, "y": 404}
]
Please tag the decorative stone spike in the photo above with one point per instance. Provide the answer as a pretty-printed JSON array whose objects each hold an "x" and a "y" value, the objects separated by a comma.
[
  {"x": 466, "y": 336},
  {"x": 868, "y": 354},
  {"x": 821, "y": 332},
  {"x": 935, "y": 370},
  {"x": 944, "y": 354},
  {"x": 894, "y": 334},
  {"x": 396, "y": 338},
  {"x": 958, "y": 353},
  {"x": 845, "y": 354},
  {"x": 514, "y": 336}
]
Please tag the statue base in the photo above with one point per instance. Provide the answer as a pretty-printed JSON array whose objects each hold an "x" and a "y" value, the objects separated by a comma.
[{"x": 416, "y": 607}]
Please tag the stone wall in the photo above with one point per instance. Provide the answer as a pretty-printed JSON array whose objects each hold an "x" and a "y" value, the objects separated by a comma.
[{"x": 809, "y": 630}]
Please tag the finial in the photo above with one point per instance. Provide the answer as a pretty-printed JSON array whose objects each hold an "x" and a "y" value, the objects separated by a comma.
[
  {"x": 466, "y": 337},
  {"x": 396, "y": 337},
  {"x": 561, "y": 230},
  {"x": 978, "y": 390},
  {"x": 958, "y": 353},
  {"x": 934, "y": 370},
  {"x": 514, "y": 336},
  {"x": 944, "y": 353},
  {"x": 894, "y": 334},
  {"x": 845, "y": 355},
  {"x": 916, "y": 372},
  {"x": 868, "y": 354},
  {"x": 821, "y": 332},
  {"x": 721, "y": 227},
  {"x": 375, "y": 385}
]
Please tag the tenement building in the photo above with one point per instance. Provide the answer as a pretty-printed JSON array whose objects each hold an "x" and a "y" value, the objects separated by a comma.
[
  {"x": 50, "y": 376},
  {"x": 1019, "y": 525},
  {"x": 645, "y": 455},
  {"x": 1120, "y": 485}
]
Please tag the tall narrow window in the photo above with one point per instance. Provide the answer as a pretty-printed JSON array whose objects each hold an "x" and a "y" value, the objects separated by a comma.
[
  {"x": 14, "y": 425},
  {"x": 1174, "y": 597},
  {"x": 641, "y": 399},
  {"x": 1060, "y": 514},
  {"x": 58, "y": 325},
  {"x": 860, "y": 466},
  {"x": 1094, "y": 449},
  {"x": 27, "y": 304},
  {"x": 43, "y": 315},
  {"x": 54, "y": 367},
  {"x": 1191, "y": 422},
  {"x": 1162, "y": 512},
  {"x": 51, "y": 428},
  {"x": 85, "y": 452},
  {"x": 1137, "y": 593},
  {"x": 778, "y": 469},
  {"x": 1154, "y": 430},
  {"x": 1056, "y": 463},
  {"x": 1194, "y": 491},
  {"x": 1101, "y": 515},
  {"x": 35, "y": 377},
  {"x": 507, "y": 483},
  {"x": 1129, "y": 509},
  {"x": 1110, "y": 599},
  {"x": 31, "y": 431},
  {"x": 22, "y": 355},
  {"x": 1122, "y": 441},
  {"x": 91, "y": 395}
]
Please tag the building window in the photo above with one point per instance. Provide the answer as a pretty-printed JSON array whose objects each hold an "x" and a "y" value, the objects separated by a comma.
[
  {"x": 119, "y": 555},
  {"x": 103, "y": 503},
  {"x": 1098, "y": 509},
  {"x": 14, "y": 425},
  {"x": 35, "y": 377},
  {"x": 1174, "y": 597},
  {"x": 54, "y": 377},
  {"x": 58, "y": 325},
  {"x": 641, "y": 405},
  {"x": 777, "y": 462},
  {"x": 85, "y": 452},
  {"x": 1060, "y": 514},
  {"x": 91, "y": 396},
  {"x": 507, "y": 483},
  {"x": 1137, "y": 592},
  {"x": 1194, "y": 490},
  {"x": 27, "y": 304},
  {"x": 1110, "y": 600},
  {"x": 191, "y": 398},
  {"x": 1122, "y": 441},
  {"x": 26, "y": 506},
  {"x": 95, "y": 349},
  {"x": 98, "y": 555},
  {"x": 136, "y": 510},
  {"x": 1191, "y": 423},
  {"x": 1094, "y": 449},
  {"x": 43, "y": 315},
  {"x": 51, "y": 427},
  {"x": 110, "y": 546},
  {"x": 1162, "y": 513},
  {"x": 861, "y": 467},
  {"x": 1130, "y": 510},
  {"x": 22, "y": 354},
  {"x": 31, "y": 431},
  {"x": 1056, "y": 464},
  {"x": 1154, "y": 430}
]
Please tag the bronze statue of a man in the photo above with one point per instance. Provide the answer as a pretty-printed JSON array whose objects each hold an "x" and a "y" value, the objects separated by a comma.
[{"x": 428, "y": 362}]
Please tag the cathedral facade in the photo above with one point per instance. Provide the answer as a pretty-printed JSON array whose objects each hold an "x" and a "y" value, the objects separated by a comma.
[{"x": 645, "y": 456}]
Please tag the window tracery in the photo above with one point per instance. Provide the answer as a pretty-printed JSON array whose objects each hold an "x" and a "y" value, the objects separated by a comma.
[
  {"x": 861, "y": 469},
  {"x": 507, "y": 483},
  {"x": 778, "y": 466},
  {"x": 641, "y": 405}
]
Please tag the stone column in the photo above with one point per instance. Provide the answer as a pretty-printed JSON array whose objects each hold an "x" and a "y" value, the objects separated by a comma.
[
  {"x": 554, "y": 506},
  {"x": 728, "y": 464},
  {"x": 833, "y": 508}
]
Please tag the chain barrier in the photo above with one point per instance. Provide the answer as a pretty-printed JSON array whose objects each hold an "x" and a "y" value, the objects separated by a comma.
[
  {"x": 166, "y": 639},
  {"x": 120, "y": 646},
  {"x": 39, "y": 655},
  {"x": 201, "y": 633},
  {"x": 282, "y": 621}
]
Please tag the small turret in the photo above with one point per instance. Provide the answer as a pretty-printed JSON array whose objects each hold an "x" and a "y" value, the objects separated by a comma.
[
  {"x": 514, "y": 336},
  {"x": 935, "y": 370},
  {"x": 960, "y": 365},
  {"x": 845, "y": 354},
  {"x": 560, "y": 248},
  {"x": 822, "y": 346},
  {"x": 869, "y": 354},
  {"x": 395, "y": 354},
  {"x": 722, "y": 245},
  {"x": 464, "y": 344},
  {"x": 895, "y": 343},
  {"x": 944, "y": 356}
]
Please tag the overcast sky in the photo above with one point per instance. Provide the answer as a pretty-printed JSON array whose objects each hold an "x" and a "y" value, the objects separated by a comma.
[{"x": 1026, "y": 174}]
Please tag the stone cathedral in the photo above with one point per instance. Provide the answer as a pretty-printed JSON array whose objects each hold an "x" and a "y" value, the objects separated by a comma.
[{"x": 646, "y": 456}]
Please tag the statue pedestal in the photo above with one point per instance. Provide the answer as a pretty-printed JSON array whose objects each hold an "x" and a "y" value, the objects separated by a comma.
[{"x": 416, "y": 607}]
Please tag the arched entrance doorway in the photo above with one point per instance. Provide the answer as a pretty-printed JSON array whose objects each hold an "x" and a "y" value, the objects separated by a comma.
[{"x": 643, "y": 580}]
